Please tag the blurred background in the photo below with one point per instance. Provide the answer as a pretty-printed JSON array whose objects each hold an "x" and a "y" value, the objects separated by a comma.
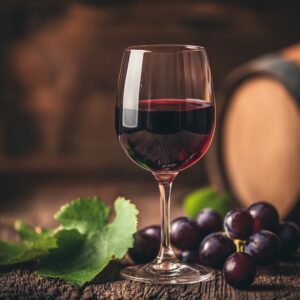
[{"x": 59, "y": 65}]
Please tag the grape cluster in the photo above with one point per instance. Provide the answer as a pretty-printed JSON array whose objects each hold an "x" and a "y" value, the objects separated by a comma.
[{"x": 247, "y": 238}]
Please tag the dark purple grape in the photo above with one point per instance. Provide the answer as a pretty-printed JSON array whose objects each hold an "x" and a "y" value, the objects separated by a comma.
[
  {"x": 191, "y": 256},
  {"x": 238, "y": 224},
  {"x": 239, "y": 270},
  {"x": 289, "y": 235},
  {"x": 214, "y": 250},
  {"x": 146, "y": 244},
  {"x": 209, "y": 221},
  {"x": 264, "y": 246},
  {"x": 184, "y": 233},
  {"x": 265, "y": 216}
]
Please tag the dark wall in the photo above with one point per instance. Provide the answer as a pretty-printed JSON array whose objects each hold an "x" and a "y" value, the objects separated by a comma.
[{"x": 60, "y": 62}]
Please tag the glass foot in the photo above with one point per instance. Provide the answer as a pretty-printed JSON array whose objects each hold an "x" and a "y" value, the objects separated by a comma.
[{"x": 181, "y": 274}]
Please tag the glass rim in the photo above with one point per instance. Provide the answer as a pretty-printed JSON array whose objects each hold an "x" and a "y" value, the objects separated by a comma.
[{"x": 166, "y": 48}]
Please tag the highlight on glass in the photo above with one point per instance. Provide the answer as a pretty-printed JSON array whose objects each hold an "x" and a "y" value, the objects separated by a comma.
[{"x": 165, "y": 120}]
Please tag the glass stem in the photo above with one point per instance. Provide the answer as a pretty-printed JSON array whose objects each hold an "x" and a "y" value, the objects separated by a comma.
[{"x": 166, "y": 259}]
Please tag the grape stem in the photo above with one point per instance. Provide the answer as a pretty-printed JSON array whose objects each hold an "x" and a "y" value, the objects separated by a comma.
[{"x": 240, "y": 245}]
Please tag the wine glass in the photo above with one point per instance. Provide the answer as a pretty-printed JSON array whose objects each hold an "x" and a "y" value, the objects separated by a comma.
[{"x": 165, "y": 120}]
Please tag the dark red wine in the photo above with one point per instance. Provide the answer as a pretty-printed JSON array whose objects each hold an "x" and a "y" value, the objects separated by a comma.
[{"x": 166, "y": 134}]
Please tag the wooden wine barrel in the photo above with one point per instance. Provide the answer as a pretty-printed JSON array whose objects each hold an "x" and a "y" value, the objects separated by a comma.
[{"x": 256, "y": 152}]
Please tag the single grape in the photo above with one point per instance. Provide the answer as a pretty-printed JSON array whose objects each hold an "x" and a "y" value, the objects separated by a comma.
[
  {"x": 289, "y": 235},
  {"x": 191, "y": 256},
  {"x": 239, "y": 270},
  {"x": 184, "y": 233},
  {"x": 209, "y": 221},
  {"x": 215, "y": 248},
  {"x": 146, "y": 244},
  {"x": 265, "y": 216},
  {"x": 264, "y": 246},
  {"x": 238, "y": 224}
]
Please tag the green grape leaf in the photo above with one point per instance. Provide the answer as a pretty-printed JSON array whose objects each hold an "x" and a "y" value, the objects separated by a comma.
[
  {"x": 87, "y": 242},
  {"x": 34, "y": 245},
  {"x": 28, "y": 233},
  {"x": 83, "y": 214},
  {"x": 206, "y": 197}
]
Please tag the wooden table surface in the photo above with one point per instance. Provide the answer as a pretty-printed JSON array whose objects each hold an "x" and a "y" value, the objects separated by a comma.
[
  {"x": 281, "y": 281},
  {"x": 278, "y": 282}
]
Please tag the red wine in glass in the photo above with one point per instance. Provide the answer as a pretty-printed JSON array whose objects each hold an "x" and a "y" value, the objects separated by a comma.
[{"x": 164, "y": 135}]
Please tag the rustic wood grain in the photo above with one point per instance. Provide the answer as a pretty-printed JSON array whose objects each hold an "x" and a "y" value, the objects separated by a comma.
[{"x": 278, "y": 282}]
